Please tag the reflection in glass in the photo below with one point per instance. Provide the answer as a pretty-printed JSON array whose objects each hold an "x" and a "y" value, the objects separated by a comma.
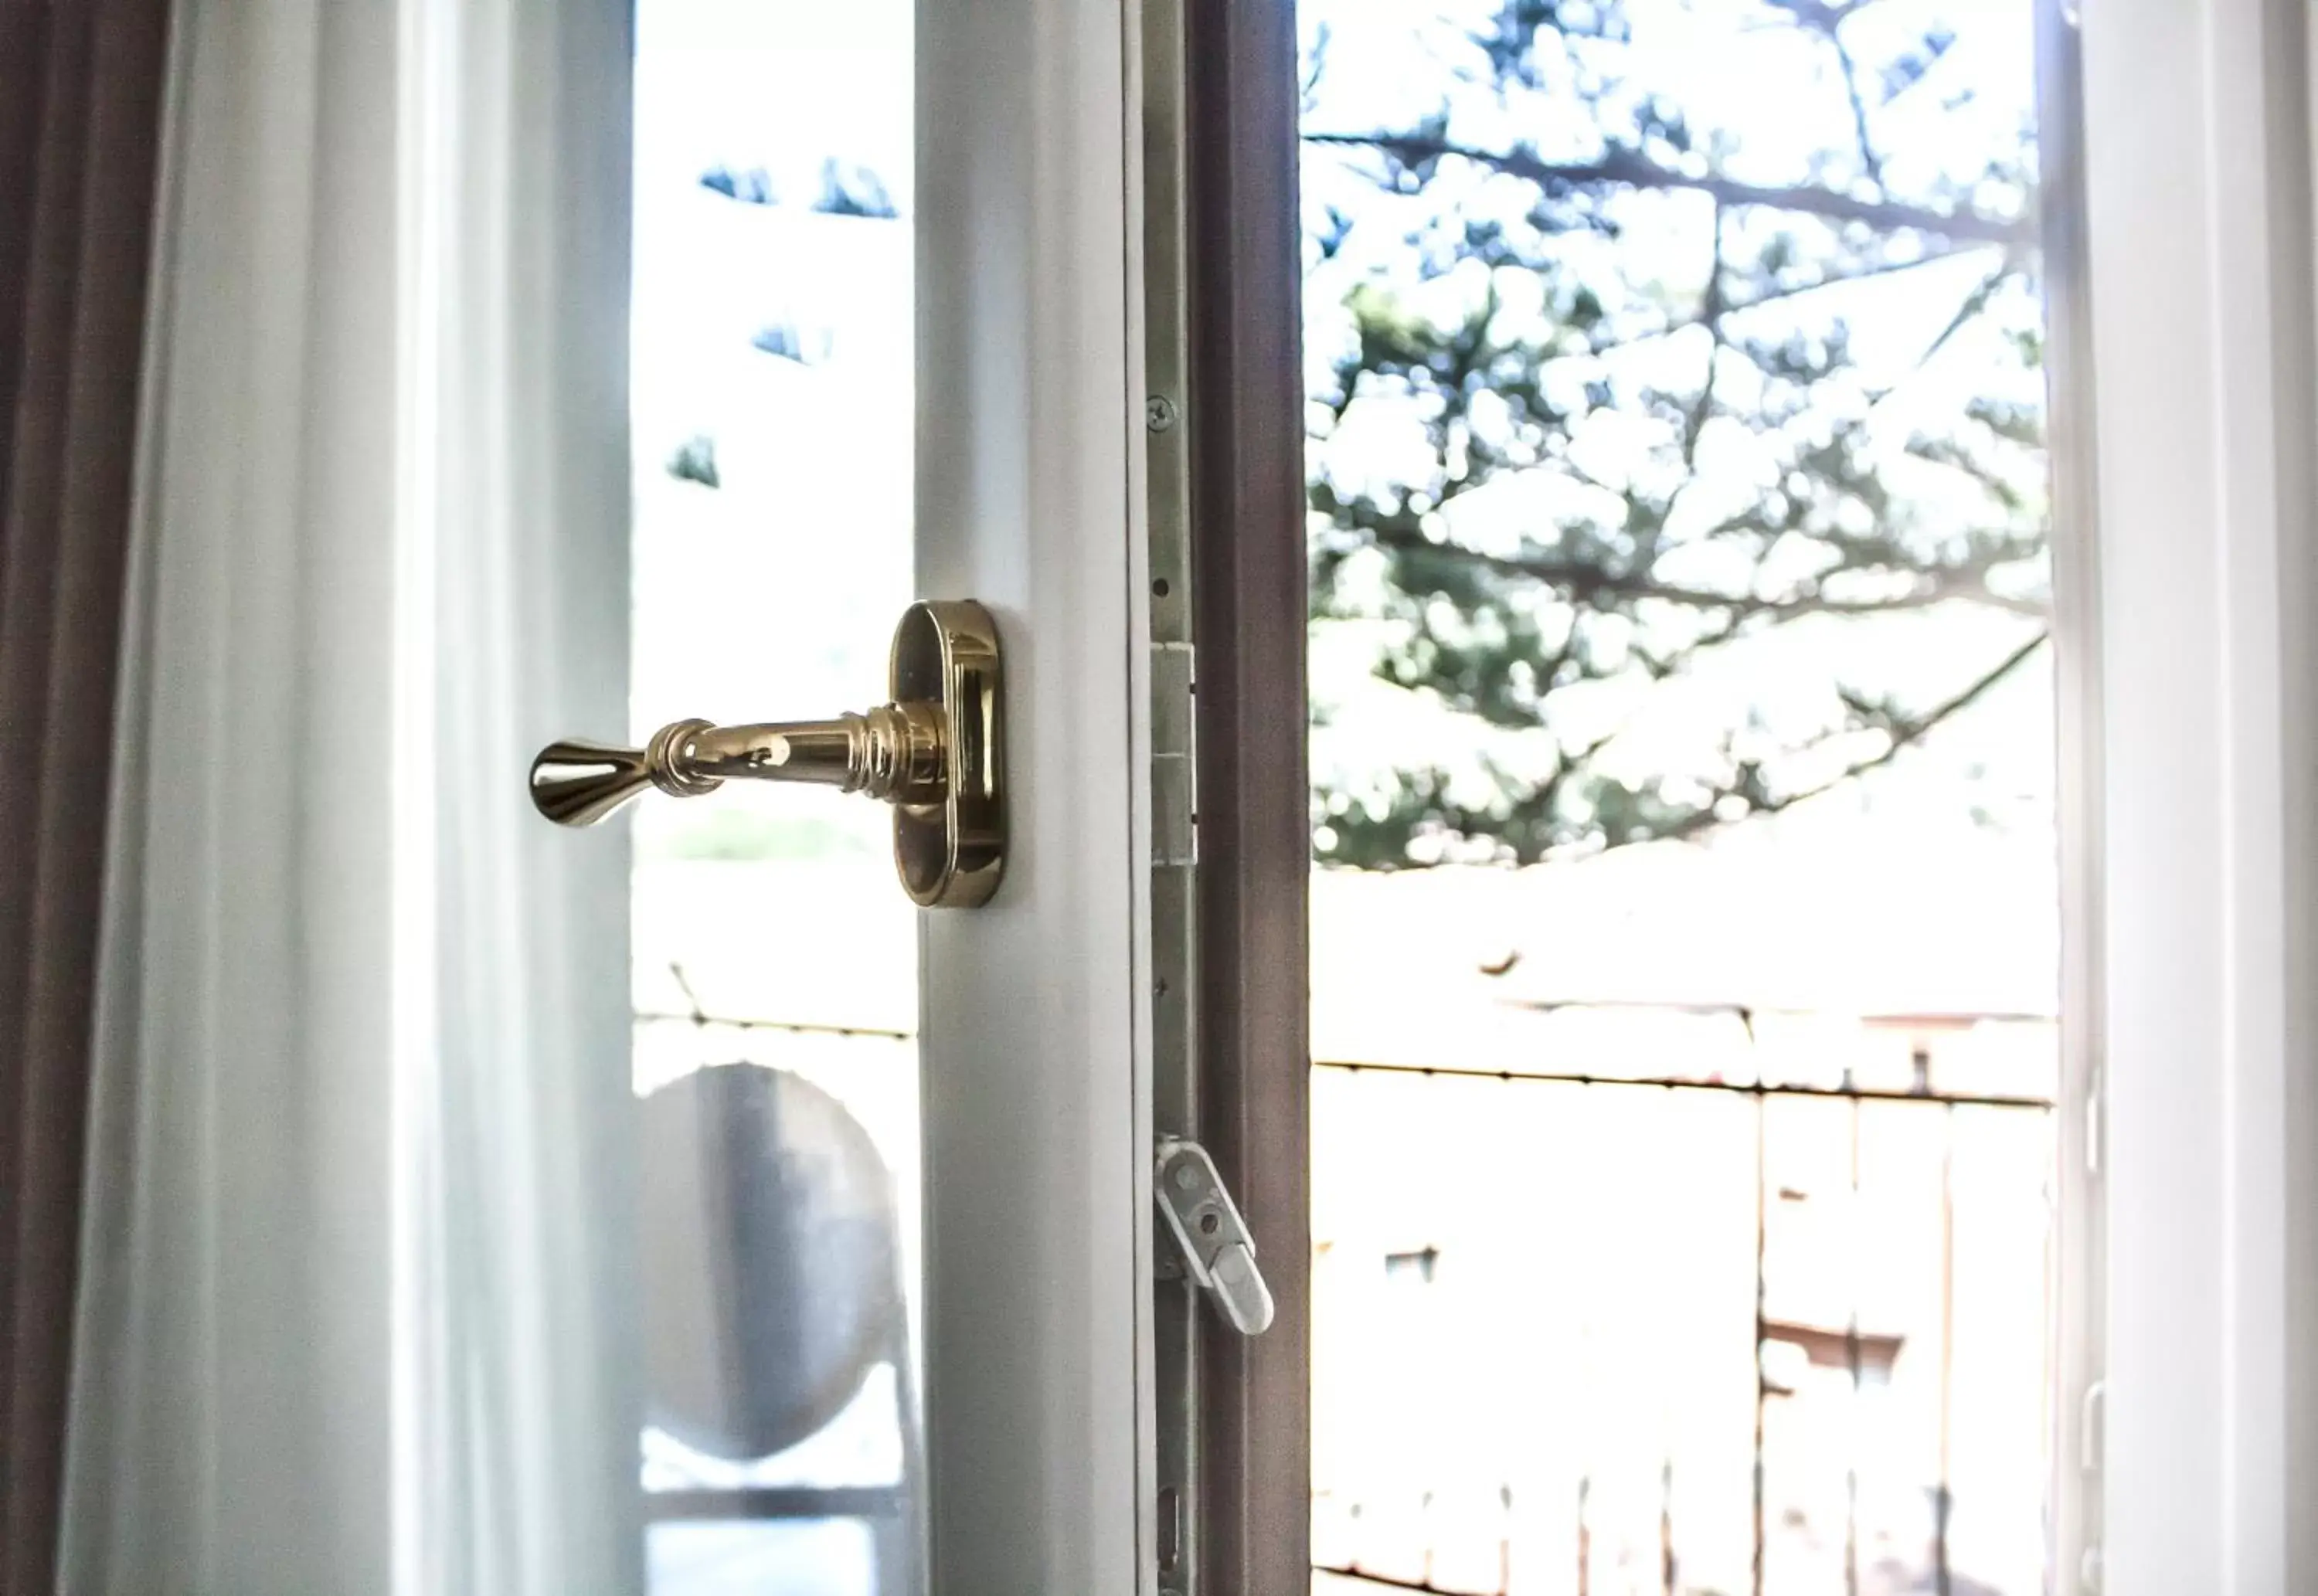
[{"x": 775, "y": 1052}]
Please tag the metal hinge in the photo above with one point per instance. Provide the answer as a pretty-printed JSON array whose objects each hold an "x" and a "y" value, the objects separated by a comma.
[
  {"x": 1216, "y": 1248},
  {"x": 2093, "y": 1125},
  {"x": 1175, "y": 762}
]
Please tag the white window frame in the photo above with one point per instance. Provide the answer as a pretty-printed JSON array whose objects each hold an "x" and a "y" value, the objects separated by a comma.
[
  {"x": 1035, "y": 1036},
  {"x": 2197, "y": 179},
  {"x": 2198, "y": 724}
]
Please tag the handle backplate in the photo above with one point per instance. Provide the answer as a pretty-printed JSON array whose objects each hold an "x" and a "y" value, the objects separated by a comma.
[
  {"x": 951, "y": 851},
  {"x": 936, "y": 753}
]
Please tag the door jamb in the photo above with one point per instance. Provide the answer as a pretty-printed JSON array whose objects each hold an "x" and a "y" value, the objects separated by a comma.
[{"x": 1245, "y": 415}]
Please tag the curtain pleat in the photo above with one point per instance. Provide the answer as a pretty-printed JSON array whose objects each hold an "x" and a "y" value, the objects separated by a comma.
[
  {"x": 80, "y": 92},
  {"x": 354, "y": 1308}
]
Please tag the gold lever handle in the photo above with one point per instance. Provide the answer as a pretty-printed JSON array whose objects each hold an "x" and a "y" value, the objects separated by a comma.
[
  {"x": 934, "y": 753},
  {"x": 894, "y": 752}
]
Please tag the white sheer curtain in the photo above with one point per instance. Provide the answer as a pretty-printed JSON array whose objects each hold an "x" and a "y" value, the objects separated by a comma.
[{"x": 356, "y": 1310}]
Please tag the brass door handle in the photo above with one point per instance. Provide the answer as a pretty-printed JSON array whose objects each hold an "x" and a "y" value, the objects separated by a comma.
[{"x": 935, "y": 753}]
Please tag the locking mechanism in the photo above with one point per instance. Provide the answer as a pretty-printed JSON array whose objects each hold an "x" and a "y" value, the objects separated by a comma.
[
  {"x": 935, "y": 753},
  {"x": 1217, "y": 1251}
]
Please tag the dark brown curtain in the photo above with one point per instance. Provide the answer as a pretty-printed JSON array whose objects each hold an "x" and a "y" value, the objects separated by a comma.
[{"x": 80, "y": 92}]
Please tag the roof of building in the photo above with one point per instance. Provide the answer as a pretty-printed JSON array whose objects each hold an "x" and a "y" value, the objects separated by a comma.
[{"x": 1854, "y": 924}]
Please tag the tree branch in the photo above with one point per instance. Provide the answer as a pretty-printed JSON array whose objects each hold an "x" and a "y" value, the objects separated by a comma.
[
  {"x": 1902, "y": 734},
  {"x": 1582, "y": 580},
  {"x": 1693, "y": 421},
  {"x": 1827, "y": 21},
  {"x": 1867, "y": 155},
  {"x": 1973, "y": 304},
  {"x": 1777, "y": 296},
  {"x": 1637, "y": 171}
]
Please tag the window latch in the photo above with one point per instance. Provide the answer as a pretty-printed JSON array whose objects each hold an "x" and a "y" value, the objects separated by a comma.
[{"x": 1218, "y": 1249}]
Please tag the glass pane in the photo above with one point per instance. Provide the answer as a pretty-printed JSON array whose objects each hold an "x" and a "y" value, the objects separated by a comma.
[
  {"x": 775, "y": 957},
  {"x": 1686, "y": 922}
]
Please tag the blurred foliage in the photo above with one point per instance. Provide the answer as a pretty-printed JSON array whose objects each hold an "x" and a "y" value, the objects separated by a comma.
[
  {"x": 850, "y": 189},
  {"x": 753, "y": 186},
  {"x": 694, "y": 460},
  {"x": 1599, "y": 423}
]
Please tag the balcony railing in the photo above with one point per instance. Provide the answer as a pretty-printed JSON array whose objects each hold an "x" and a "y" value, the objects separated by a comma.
[
  {"x": 1621, "y": 1332},
  {"x": 1773, "y": 1324}
]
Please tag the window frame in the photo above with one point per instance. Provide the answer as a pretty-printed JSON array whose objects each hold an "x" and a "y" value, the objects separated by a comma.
[
  {"x": 1033, "y": 1029},
  {"x": 2201, "y": 897},
  {"x": 1245, "y": 410}
]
